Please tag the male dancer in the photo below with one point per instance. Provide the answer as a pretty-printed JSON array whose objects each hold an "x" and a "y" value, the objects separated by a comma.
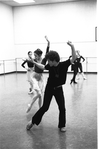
[{"x": 57, "y": 77}]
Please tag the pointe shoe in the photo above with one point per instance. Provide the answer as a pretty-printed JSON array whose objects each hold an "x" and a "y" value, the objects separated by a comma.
[
  {"x": 29, "y": 125},
  {"x": 29, "y": 108}
]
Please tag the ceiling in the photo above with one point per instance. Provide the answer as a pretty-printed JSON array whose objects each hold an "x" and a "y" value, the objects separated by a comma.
[{"x": 37, "y": 2}]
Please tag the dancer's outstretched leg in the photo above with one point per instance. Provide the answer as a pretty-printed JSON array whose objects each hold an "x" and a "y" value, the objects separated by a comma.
[
  {"x": 34, "y": 99},
  {"x": 40, "y": 101},
  {"x": 77, "y": 76},
  {"x": 83, "y": 76}
]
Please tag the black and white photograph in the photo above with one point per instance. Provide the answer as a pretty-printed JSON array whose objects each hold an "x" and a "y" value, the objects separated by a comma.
[{"x": 48, "y": 74}]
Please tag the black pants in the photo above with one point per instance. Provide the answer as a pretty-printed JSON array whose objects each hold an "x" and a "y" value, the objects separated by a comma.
[
  {"x": 59, "y": 96},
  {"x": 74, "y": 74},
  {"x": 80, "y": 67},
  {"x": 75, "y": 71}
]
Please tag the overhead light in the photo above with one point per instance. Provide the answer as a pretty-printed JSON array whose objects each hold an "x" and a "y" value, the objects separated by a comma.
[{"x": 24, "y": 1}]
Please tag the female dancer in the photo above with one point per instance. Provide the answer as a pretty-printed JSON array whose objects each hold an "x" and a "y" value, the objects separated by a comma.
[
  {"x": 74, "y": 68},
  {"x": 80, "y": 59},
  {"x": 29, "y": 69},
  {"x": 37, "y": 79}
]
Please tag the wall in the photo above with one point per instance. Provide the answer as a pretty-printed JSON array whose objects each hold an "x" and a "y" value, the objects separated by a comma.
[
  {"x": 23, "y": 29},
  {"x": 7, "y": 50},
  {"x": 6, "y": 32},
  {"x": 75, "y": 21}
]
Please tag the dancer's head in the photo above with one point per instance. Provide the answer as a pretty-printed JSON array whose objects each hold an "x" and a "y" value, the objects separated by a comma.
[
  {"x": 53, "y": 58},
  {"x": 30, "y": 54},
  {"x": 38, "y": 54}
]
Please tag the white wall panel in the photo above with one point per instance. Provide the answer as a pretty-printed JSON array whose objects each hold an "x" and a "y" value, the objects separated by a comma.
[{"x": 6, "y": 32}]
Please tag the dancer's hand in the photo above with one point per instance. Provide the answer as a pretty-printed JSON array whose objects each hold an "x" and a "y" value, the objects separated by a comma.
[
  {"x": 46, "y": 38},
  {"x": 28, "y": 69},
  {"x": 69, "y": 43}
]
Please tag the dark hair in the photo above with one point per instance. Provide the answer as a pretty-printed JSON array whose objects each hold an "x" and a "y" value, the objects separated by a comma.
[
  {"x": 38, "y": 52},
  {"x": 53, "y": 55},
  {"x": 29, "y": 52}
]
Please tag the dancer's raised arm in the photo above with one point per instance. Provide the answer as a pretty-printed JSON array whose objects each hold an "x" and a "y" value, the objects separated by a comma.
[{"x": 73, "y": 51}]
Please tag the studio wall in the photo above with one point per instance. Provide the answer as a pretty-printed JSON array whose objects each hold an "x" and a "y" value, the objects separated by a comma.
[
  {"x": 75, "y": 21},
  {"x": 7, "y": 50},
  {"x": 23, "y": 29}
]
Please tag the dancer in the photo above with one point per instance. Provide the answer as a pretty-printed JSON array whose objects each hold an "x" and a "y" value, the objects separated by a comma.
[
  {"x": 29, "y": 69},
  {"x": 37, "y": 79},
  {"x": 57, "y": 78},
  {"x": 80, "y": 59},
  {"x": 74, "y": 68}
]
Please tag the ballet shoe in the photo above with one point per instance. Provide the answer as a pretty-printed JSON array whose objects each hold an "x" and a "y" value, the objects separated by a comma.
[
  {"x": 29, "y": 125},
  {"x": 29, "y": 108},
  {"x": 72, "y": 81}
]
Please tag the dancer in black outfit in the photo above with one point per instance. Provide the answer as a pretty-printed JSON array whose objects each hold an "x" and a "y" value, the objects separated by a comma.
[
  {"x": 79, "y": 59},
  {"x": 74, "y": 68},
  {"x": 57, "y": 77}
]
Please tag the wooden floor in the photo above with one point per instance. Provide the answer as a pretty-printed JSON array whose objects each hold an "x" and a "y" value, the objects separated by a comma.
[{"x": 81, "y": 115}]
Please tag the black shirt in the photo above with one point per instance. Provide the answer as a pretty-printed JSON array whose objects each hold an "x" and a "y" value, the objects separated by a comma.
[
  {"x": 57, "y": 75},
  {"x": 37, "y": 69},
  {"x": 79, "y": 59},
  {"x": 29, "y": 63}
]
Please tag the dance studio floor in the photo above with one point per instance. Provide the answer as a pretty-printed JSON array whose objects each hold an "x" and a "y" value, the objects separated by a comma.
[{"x": 81, "y": 115}]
